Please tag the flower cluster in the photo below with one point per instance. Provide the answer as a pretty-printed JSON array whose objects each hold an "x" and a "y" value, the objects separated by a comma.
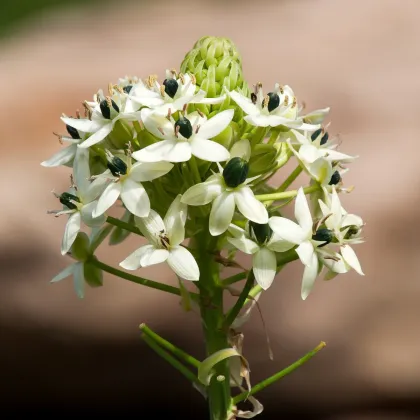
[{"x": 195, "y": 152}]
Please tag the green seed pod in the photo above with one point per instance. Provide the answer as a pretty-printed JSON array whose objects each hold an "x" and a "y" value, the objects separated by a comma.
[
  {"x": 323, "y": 235},
  {"x": 117, "y": 166},
  {"x": 184, "y": 127},
  {"x": 106, "y": 109},
  {"x": 235, "y": 172},
  {"x": 121, "y": 134},
  {"x": 80, "y": 249},
  {"x": 335, "y": 179},
  {"x": 93, "y": 275},
  {"x": 261, "y": 233}
]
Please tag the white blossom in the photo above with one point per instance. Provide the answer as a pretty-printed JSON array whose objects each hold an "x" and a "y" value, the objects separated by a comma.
[
  {"x": 126, "y": 181},
  {"x": 279, "y": 107},
  {"x": 189, "y": 135},
  {"x": 165, "y": 238}
]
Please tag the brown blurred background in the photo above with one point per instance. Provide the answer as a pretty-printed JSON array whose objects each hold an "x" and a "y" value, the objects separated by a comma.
[{"x": 59, "y": 354}]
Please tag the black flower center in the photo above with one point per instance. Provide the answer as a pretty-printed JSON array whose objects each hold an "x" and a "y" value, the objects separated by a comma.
[
  {"x": 184, "y": 127},
  {"x": 106, "y": 110},
  {"x": 323, "y": 235},
  {"x": 273, "y": 101},
  {"x": 171, "y": 87},
  {"x": 235, "y": 172},
  {"x": 127, "y": 89},
  {"x": 335, "y": 179},
  {"x": 317, "y": 133},
  {"x": 117, "y": 166},
  {"x": 261, "y": 232},
  {"x": 67, "y": 198},
  {"x": 73, "y": 132}
]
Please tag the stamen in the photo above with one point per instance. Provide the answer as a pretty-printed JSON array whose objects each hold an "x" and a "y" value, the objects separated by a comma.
[
  {"x": 281, "y": 89},
  {"x": 266, "y": 101},
  {"x": 197, "y": 128},
  {"x": 182, "y": 78},
  {"x": 294, "y": 103},
  {"x": 193, "y": 78},
  {"x": 286, "y": 101},
  {"x": 110, "y": 89},
  {"x": 200, "y": 113},
  {"x": 60, "y": 137},
  {"x": 162, "y": 91},
  {"x": 253, "y": 98}
]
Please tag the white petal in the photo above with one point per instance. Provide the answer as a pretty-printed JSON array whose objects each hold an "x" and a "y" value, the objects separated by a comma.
[
  {"x": 259, "y": 120},
  {"x": 245, "y": 103},
  {"x": 244, "y": 244},
  {"x": 156, "y": 152},
  {"x": 305, "y": 251},
  {"x": 309, "y": 153},
  {"x": 151, "y": 226},
  {"x": 133, "y": 261},
  {"x": 209, "y": 150},
  {"x": 216, "y": 124},
  {"x": 180, "y": 151},
  {"x": 242, "y": 149},
  {"x": 63, "y": 274},
  {"x": 153, "y": 122},
  {"x": 249, "y": 206},
  {"x": 286, "y": 229},
  {"x": 333, "y": 155},
  {"x": 338, "y": 267},
  {"x": 204, "y": 192},
  {"x": 183, "y": 263},
  {"x": 155, "y": 256},
  {"x": 351, "y": 259},
  {"x": 81, "y": 171},
  {"x": 95, "y": 188},
  {"x": 62, "y": 157},
  {"x": 317, "y": 116},
  {"x": 97, "y": 137},
  {"x": 149, "y": 171},
  {"x": 85, "y": 125},
  {"x": 221, "y": 213},
  {"x": 174, "y": 221},
  {"x": 336, "y": 210},
  {"x": 87, "y": 215},
  {"x": 278, "y": 244},
  {"x": 300, "y": 138},
  {"x": 309, "y": 275},
  {"x": 208, "y": 101},
  {"x": 70, "y": 232},
  {"x": 135, "y": 198},
  {"x": 79, "y": 279},
  {"x": 108, "y": 198},
  {"x": 264, "y": 267},
  {"x": 302, "y": 212},
  {"x": 321, "y": 170}
]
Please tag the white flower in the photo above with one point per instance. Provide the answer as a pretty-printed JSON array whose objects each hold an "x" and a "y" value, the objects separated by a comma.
[
  {"x": 126, "y": 182},
  {"x": 106, "y": 111},
  {"x": 80, "y": 202},
  {"x": 225, "y": 195},
  {"x": 187, "y": 136},
  {"x": 77, "y": 271},
  {"x": 172, "y": 95},
  {"x": 300, "y": 234},
  {"x": 318, "y": 145},
  {"x": 262, "y": 243},
  {"x": 277, "y": 108},
  {"x": 66, "y": 155},
  {"x": 165, "y": 237},
  {"x": 347, "y": 229}
]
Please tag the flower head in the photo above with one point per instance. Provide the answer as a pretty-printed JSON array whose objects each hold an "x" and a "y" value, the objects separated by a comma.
[{"x": 165, "y": 237}]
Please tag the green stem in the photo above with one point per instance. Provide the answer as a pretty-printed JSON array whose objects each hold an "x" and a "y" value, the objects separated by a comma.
[
  {"x": 123, "y": 225},
  {"x": 212, "y": 316},
  {"x": 289, "y": 179},
  {"x": 195, "y": 171},
  {"x": 176, "y": 351},
  {"x": 287, "y": 194},
  {"x": 269, "y": 381},
  {"x": 139, "y": 280},
  {"x": 234, "y": 311},
  {"x": 171, "y": 360},
  {"x": 234, "y": 279}
]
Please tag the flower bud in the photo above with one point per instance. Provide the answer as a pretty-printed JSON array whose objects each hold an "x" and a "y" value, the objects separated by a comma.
[
  {"x": 228, "y": 135},
  {"x": 215, "y": 63},
  {"x": 335, "y": 179},
  {"x": 106, "y": 109},
  {"x": 117, "y": 166},
  {"x": 93, "y": 275},
  {"x": 235, "y": 172},
  {"x": 260, "y": 232},
  {"x": 262, "y": 159},
  {"x": 67, "y": 198},
  {"x": 80, "y": 249},
  {"x": 184, "y": 127}
]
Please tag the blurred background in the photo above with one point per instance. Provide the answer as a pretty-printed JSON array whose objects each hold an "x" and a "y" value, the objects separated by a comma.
[{"x": 60, "y": 354}]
